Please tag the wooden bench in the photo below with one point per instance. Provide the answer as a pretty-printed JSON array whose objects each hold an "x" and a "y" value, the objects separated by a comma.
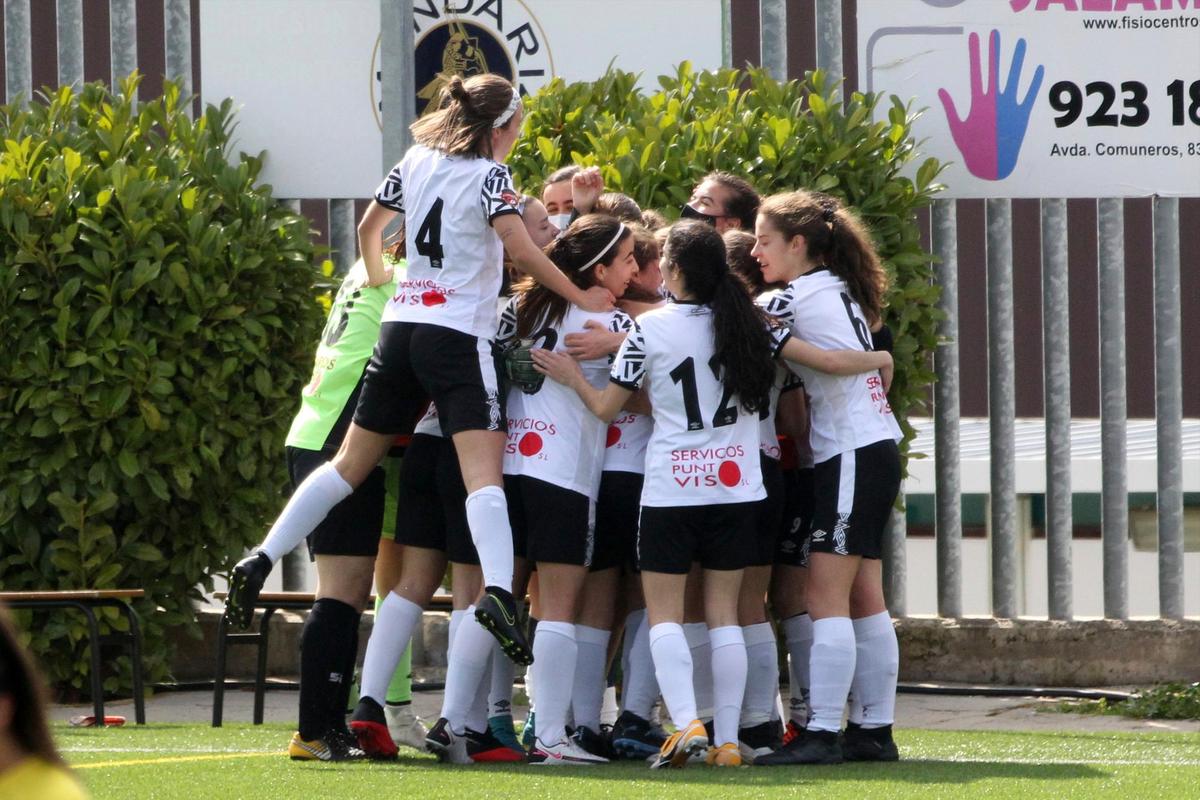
[
  {"x": 268, "y": 603},
  {"x": 87, "y": 601}
]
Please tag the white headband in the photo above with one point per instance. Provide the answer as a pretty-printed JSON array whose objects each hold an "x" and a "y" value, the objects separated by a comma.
[
  {"x": 620, "y": 232},
  {"x": 513, "y": 105}
]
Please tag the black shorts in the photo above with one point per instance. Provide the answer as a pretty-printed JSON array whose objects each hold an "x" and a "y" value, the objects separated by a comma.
[
  {"x": 792, "y": 549},
  {"x": 617, "y": 509},
  {"x": 719, "y": 536},
  {"x": 855, "y": 493},
  {"x": 770, "y": 514},
  {"x": 431, "y": 509},
  {"x": 351, "y": 528},
  {"x": 550, "y": 524},
  {"x": 415, "y": 363}
]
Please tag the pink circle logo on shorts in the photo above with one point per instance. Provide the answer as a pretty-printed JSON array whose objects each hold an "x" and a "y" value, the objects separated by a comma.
[
  {"x": 531, "y": 444},
  {"x": 613, "y": 436},
  {"x": 729, "y": 473}
]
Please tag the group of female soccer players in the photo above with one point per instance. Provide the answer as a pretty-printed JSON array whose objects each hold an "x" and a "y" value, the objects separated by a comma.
[{"x": 606, "y": 439}]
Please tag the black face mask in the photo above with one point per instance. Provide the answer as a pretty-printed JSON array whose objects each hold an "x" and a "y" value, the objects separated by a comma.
[{"x": 687, "y": 212}]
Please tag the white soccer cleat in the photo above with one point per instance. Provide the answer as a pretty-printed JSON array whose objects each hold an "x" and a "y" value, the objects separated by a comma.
[
  {"x": 405, "y": 727},
  {"x": 563, "y": 753}
]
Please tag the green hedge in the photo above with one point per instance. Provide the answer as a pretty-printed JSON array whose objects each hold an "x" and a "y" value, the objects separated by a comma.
[
  {"x": 781, "y": 136},
  {"x": 158, "y": 316}
]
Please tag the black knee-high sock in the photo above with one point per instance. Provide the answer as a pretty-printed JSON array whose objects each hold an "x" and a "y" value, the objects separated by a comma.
[
  {"x": 323, "y": 645},
  {"x": 341, "y": 702}
]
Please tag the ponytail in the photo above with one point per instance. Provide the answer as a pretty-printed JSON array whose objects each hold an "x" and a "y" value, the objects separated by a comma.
[{"x": 742, "y": 345}]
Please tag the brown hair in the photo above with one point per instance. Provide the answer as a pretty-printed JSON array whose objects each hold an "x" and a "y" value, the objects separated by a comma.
[
  {"x": 645, "y": 246},
  {"x": 462, "y": 125},
  {"x": 834, "y": 237},
  {"x": 618, "y": 205},
  {"x": 561, "y": 174},
  {"x": 743, "y": 198},
  {"x": 20, "y": 681},
  {"x": 738, "y": 244},
  {"x": 577, "y": 245},
  {"x": 654, "y": 219}
]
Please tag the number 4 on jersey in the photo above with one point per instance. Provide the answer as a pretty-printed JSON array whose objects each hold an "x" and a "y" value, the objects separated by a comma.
[{"x": 429, "y": 235}]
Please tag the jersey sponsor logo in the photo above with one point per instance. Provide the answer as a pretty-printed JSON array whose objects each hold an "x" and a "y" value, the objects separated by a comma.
[
  {"x": 471, "y": 37},
  {"x": 707, "y": 467},
  {"x": 422, "y": 293},
  {"x": 612, "y": 436},
  {"x": 526, "y": 436},
  {"x": 529, "y": 445},
  {"x": 878, "y": 395}
]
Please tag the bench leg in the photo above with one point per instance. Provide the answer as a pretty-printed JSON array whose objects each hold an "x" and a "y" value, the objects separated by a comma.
[
  {"x": 260, "y": 676},
  {"x": 135, "y": 638},
  {"x": 97, "y": 680},
  {"x": 219, "y": 677}
]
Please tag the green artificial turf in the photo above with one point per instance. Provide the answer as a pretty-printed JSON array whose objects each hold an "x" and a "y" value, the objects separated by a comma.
[{"x": 196, "y": 762}]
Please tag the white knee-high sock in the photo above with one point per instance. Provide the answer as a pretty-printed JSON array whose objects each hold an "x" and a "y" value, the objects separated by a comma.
[
  {"x": 394, "y": 626},
  {"x": 554, "y": 659},
  {"x": 468, "y": 662},
  {"x": 587, "y": 695},
  {"x": 314, "y": 497},
  {"x": 456, "y": 618},
  {"x": 702, "y": 677},
  {"x": 500, "y": 690},
  {"x": 641, "y": 684},
  {"x": 798, "y": 635},
  {"x": 873, "y": 689},
  {"x": 633, "y": 622},
  {"x": 673, "y": 667},
  {"x": 487, "y": 517},
  {"x": 729, "y": 681},
  {"x": 831, "y": 668},
  {"x": 762, "y": 674},
  {"x": 477, "y": 715}
]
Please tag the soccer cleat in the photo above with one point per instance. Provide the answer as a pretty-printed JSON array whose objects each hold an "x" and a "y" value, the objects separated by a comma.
[
  {"x": 529, "y": 730},
  {"x": 245, "y": 583},
  {"x": 370, "y": 726},
  {"x": 792, "y": 730},
  {"x": 497, "y": 613},
  {"x": 726, "y": 755},
  {"x": 404, "y": 726},
  {"x": 869, "y": 744},
  {"x": 811, "y": 747},
  {"x": 758, "y": 740},
  {"x": 596, "y": 743},
  {"x": 636, "y": 738},
  {"x": 333, "y": 746},
  {"x": 487, "y": 747},
  {"x": 681, "y": 745},
  {"x": 449, "y": 747},
  {"x": 563, "y": 753},
  {"x": 501, "y": 726}
]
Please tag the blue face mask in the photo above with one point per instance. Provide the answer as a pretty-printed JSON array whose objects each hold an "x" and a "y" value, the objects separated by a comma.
[{"x": 561, "y": 221}]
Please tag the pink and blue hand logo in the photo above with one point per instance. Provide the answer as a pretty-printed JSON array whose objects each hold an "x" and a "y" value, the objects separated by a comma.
[{"x": 990, "y": 137}]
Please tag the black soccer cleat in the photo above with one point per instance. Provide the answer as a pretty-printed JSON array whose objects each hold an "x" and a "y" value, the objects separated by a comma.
[
  {"x": 636, "y": 738},
  {"x": 598, "y": 743},
  {"x": 869, "y": 744},
  {"x": 811, "y": 747},
  {"x": 497, "y": 613},
  {"x": 245, "y": 583},
  {"x": 759, "y": 740}
]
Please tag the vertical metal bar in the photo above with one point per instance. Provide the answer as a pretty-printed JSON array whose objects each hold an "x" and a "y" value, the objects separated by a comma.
[
  {"x": 397, "y": 59},
  {"x": 1002, "y": 408},
  {"x": 1114, "y": 514},
  {"x": 179, "y": 43},
  {"x": 829, "y": 38},
  {"x": 772, "y": 31},
  {"x": 18, "y": 54},
  {"x": 122, "y": 34},
  {"x": 946, "y": 411},
  {"x": 895, "y": 566},
  {"x": 1168, "y": 393},
  {"x": 295, "y": 570},
  {"x": 343, "y": 236},
  {"x": 1056, "y": 360},
  {"x": 727, "y": 34},
  {"x": 69, "y": 14}
]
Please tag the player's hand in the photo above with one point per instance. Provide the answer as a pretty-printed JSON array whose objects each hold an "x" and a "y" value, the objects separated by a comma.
[
  {"x": 586, "y": 188},
  {"x": 887, "y": 372},
  {"x": 596, "y": 299},
  {"x": 596, "y": 342},
  {"x": 558, "y": 367}
]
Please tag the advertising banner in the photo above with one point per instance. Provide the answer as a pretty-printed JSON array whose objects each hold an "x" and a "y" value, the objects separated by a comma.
[
  {"x": 1045, "y": 98},
  {"x": 304, "y": 74}
]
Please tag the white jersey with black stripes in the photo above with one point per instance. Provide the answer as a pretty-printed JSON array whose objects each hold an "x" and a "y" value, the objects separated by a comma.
[
  {"x": 704, "y": 446},
  {"x": 848, "y": 411},
  {"x": 455, "y": 259},
  {"x": 551, "y": 434}
]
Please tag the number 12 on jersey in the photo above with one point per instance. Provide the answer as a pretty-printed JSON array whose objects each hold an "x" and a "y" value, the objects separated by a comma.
[{"x": 685, "y": 374}]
